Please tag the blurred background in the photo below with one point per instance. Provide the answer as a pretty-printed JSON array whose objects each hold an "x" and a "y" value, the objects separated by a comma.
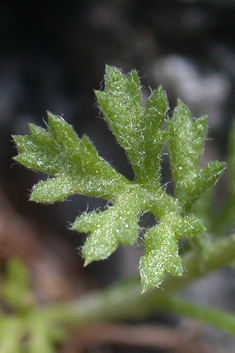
[{"x": 52, "y": 57}]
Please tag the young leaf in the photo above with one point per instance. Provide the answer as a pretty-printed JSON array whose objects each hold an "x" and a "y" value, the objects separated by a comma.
[
  {"x": 186, "y": 143},
  {"x": 118, "y": 224},
  {"x": 161, "y": 248},
  {"x": 74, "y": 163},
  {"x": 161, "y": 256},
  {"x": 138, "y": 129},
  {"x": 142, "y": 130}
]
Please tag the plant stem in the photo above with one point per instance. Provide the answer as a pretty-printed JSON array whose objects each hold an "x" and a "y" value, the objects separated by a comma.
[
  {"x": 215, "y": 317},
  {"x": 225, "y": 219},
  {"x": 124, "y": 301}
]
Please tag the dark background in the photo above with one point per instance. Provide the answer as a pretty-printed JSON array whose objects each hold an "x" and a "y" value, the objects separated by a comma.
[{"x": 52, "y": 57}]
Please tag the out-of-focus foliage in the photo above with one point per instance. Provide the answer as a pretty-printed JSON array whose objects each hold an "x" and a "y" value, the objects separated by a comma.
[{"x": 21, "y": 330}]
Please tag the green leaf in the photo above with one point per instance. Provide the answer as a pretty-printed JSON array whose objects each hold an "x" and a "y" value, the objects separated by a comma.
[
  {"x": 122, "y": 107},
  {"x": 74, "y": 163},
  {"x": 138, "y": 129},
  {"x": 74, "y": 167},
  {"x": 53, "y": 189},
  {"x": 206, "y": 178},
  {"x": 160, "y": 257},
  {"x": 118, "y": 224},
  {"x": 154, "y": 138},
  {"x": 186, "y": 143},
  {"x": 161, "y": 248}
]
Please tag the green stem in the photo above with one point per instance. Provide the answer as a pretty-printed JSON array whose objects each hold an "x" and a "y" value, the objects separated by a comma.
[
  {"x": 214, "y": 317},
  {"x": 225, "y": 219},
  {"x": 124, "y": 301}
]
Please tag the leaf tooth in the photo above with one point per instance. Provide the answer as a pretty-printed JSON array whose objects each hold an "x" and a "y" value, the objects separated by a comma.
[
  {"x": 20, "y": 143},
  {"x": 114, "y": 79},
  {"x": 37, "y": 130},
  {"x": 160, "y": 257},
  {"x": 209, "y": 175},
  {"x": 62, "y": 132},
  {"x": 182, "y": 112},
  {"x": 52, "y": 190},
  {"x": 157, "y": 107}
]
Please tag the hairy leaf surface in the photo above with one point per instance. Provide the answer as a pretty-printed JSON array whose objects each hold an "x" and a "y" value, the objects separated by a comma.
[{"x": 142, "y": 129}]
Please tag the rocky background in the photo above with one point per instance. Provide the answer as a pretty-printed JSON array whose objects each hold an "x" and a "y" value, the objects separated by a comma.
[{"x": 52, "y": 57}]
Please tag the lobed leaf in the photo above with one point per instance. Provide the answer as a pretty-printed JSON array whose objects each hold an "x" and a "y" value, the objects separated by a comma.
[
  {"x": 186, "y": 143},
  {"x": 74, "y": 163},
  {"x": 161, "y": 248},
  {"x": 138, "y": 129},
  {"x": 74, "y": 166},
  {"x": 160, "y": 256},
  {"x": 118, "y": 224},
  {"x": 154, "y": 138}
]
